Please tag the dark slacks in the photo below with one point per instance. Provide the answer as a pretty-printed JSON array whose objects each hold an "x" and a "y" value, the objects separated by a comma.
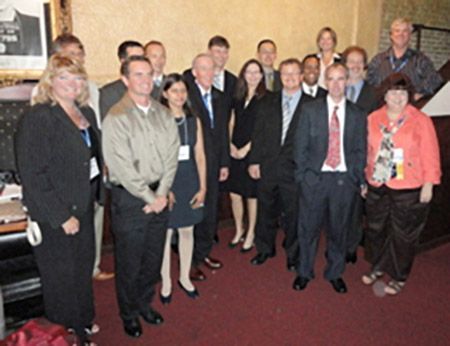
[
  {"x": 139, "y": 244},
  {"x": 328, "y": 202},
  {"x": 395, "y": 220},
  {"x": 205, "y": 231},
  {"x": 65, "y": 266},
  {"x": 355, "y": 231},
  {"x": 277, "y": 195}
]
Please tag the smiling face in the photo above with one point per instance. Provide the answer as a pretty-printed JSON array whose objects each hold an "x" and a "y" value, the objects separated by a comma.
[
  {"x": 253, "y": 75},
  {"x": 220, "y": 56},
  {"x": 311, "y": 71},
  {"x": 140, "y": 79},
  {"x": 400, "y": 35},
  {"x": 396, "y": 100},
  {"x": 291, "y": 77},
  {"x": 66, "y": 86},
  {"x": 267, "y": 54},
  {"x": 157, "y": 56},
  {"x": 176, "y": 95},
  {"x": 326, "y": 42},
  {"x": 355, "y": 65},
  {"x": 203, "y": 71},
  {"x": 335, "y": 80}
]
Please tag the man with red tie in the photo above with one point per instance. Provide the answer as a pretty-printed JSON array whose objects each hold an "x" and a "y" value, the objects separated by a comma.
[{"x": 330, "y": 155}]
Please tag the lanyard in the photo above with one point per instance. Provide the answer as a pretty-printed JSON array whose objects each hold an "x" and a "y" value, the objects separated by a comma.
[
  {"x": 400, "y": 67},
  {"x": 86, "y": 137}
]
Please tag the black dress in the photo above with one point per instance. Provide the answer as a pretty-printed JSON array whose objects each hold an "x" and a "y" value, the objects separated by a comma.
[
  {"x": 239, "y": 180},
  {"x": 186, "y": 183}
]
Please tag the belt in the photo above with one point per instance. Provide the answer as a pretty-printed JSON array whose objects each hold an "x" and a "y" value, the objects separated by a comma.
[{"x": 153, "y": 186}]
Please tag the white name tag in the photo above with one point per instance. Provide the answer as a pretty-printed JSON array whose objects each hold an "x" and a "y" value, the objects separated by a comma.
[
  {"x": 398, "y": 155},
  {"x": 94, "y": 168},
  {"x": 183, "y": 154}
]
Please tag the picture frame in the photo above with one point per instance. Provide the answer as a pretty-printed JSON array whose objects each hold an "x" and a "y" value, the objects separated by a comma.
[{"x": 26, "y": 36}]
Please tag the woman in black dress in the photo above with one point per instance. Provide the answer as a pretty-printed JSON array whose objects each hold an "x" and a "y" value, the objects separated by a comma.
[
  {"x": 250, "y": 89},
  {"x": 188, "y": 189}
]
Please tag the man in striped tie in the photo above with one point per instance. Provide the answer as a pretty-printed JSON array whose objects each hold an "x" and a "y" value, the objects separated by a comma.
[{"x": 330, "y": 155}]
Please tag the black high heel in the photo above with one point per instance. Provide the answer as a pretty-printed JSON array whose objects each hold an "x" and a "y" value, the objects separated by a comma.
[
  {"x": 191, "y": 294},
  {"x": 165, "y": 300}
]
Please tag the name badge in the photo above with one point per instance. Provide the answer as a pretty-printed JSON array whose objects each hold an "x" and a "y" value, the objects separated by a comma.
[
  {"x": 398, "y": 160},
  {"x": 95, "y": 171},
  {"x": 183, "y": 153}
]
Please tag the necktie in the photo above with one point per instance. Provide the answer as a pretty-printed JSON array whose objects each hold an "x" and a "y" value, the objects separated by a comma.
[
  {"x": 351, "y": 93},
  {"x": 286, "y": 117},
  {"x": 334, "y": 142},
  {"x": 208, "y": 106},
  {"x": 311, "y": 92}
]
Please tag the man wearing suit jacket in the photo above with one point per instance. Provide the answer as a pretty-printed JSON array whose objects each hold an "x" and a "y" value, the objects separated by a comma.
[
  {"x": 330, "y": 155},
  {"x": 272, "y": 163},
  {"x": 111, "y": 93},
  {"x": 210, "y": 106},
  {"x": 311, "y": 72},
  {"x": 267, "y": 54},
  {"x": 156, "y": 53}
]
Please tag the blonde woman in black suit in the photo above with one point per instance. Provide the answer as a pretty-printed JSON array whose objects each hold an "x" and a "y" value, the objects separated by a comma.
[{"x": 58, "y": 156}]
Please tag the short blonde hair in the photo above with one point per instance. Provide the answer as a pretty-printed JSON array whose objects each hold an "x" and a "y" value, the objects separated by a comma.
[
  {"x": 57, "y": 64},
  {"x": 400, "y": 21}
]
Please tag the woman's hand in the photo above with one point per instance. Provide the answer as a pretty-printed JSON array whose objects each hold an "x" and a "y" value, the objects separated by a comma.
[
  {"x": 71, "y": 226},
  {"x": 426, "y": 193},
  {"x": 234, "y": 152},
  {"x": 198, "y": 200},
  {"x": 171, "y": 200}
]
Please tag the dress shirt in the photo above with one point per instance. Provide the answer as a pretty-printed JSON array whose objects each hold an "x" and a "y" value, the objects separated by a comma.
[
  {"x": 141, "y": 148},
  {"x": 357, "y": 87},
  {"x": 158, "y": 80},
  {"x": 417, "y": 137},
  {"x": 269, "y": 76},
  {"x": 342, "y": 167},
  {"x": 219, "y": 80},
  {"x": 310, "y": 90},
  {"x": 323, "y": 67}
]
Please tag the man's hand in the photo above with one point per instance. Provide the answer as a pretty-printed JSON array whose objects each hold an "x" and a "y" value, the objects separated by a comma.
[
  {"x": 254, "y": 171},
  {"x": 223, "y": 175},
  {"x": 71, "y": 226},
  {"x": 426, "y": 193},
  {"x": 157, "y": 206}
]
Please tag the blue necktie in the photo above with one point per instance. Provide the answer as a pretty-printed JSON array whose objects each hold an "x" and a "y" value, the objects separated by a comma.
[{"x": 208, "y": 106}]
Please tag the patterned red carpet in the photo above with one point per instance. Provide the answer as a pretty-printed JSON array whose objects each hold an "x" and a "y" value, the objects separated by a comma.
[{"x": 241, "y": 304}]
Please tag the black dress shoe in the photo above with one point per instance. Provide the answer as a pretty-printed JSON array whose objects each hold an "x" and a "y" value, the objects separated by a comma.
[
  {"x": 291, "y": 266},
  {"x": 152, "y": 316},
  {"x": 300, "y": 283},
  {"x": 339, "y": 285},
  {"x": 216, "y": 239},
  {"x": 196, "y": 274},
  {"x": 351, "y": 257},
  {"x": 165, "y": 300},
  {"x": 212, "y": 263},
  {"x": 191, "y": 294},
  {"x": 260, "y": 258},
  {"x": 132, "y": 327}
]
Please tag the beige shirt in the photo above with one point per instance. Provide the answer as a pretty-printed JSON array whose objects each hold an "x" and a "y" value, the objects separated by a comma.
[{"x": 140, "y": 148}]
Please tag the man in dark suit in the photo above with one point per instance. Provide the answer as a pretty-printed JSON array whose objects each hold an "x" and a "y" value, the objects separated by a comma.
[
  {"x": 330, "y": 155},
  {"x": 267, "y": 54},
  {"x": 210, "y": 106},
  {"x": 20, "y": 34},
  {"x": 271, "y": 162},
  {"x": 311, "y": 72},
  {"x": 156, "y": 53},
  {"x": 224, "y": 80},
  {"x": 111, "y": 93}
]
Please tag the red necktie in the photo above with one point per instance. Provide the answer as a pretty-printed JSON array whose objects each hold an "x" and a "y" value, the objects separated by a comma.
[{"x": 334, "y": 142}]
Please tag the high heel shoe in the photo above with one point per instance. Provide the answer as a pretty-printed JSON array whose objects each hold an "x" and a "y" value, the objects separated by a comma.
[
  {"x": 191, "y": 294},
  {"x": 165, "y": 300},
  {"x": 245, "y": 250},
  {"x": 232, "y": 244}
]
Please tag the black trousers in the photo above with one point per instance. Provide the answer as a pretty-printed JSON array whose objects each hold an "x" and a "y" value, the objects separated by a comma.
[
  {"x": 277, "y": 197},
  {"x": 205, "y": 231},
  {"x": 395, "y": 219},
  {"x": 139, "y": 245},
  {"x": 328, "y": 202},
  {"x": 65, "y": 266},
  {"x": 355, "y": 231}
]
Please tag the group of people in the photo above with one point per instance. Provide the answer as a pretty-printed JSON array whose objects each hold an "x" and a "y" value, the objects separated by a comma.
[{"x": 299, "y": 148}]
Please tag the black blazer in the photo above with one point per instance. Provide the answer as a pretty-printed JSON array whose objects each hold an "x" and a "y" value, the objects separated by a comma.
[
  {"x": 267, "y": 150},
  {"x": 53, "y": 163},
  {"x": 215, "y": 139},
  {"x": 110, "y": 94},
  {"x": 311, "y": 142},
  {"x": 367, "y": 99},
  {"x": 277, "y": 86}
]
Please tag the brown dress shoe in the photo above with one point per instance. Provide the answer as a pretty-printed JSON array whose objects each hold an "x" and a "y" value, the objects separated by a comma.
[
  {"x": 212, "y": 263},
  {"x": 102, "y": 276},
  {"x": 196, "y": 274}
]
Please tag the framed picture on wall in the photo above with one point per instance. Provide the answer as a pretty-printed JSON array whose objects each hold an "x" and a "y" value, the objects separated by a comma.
[{"x": 27, "y": 28}]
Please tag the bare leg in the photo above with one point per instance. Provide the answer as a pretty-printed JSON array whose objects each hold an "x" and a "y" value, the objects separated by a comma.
[
  {"x": 252, "y": 207},
  {"x": 185, "y": 249},
  {"x": 166, "y": 284},
  {"x": 237, "y": 207}
]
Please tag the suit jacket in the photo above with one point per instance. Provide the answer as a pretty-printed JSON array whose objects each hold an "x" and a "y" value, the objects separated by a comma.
[
  {"x": 215, "y": 139},
  {"x": 311, "y": 142},
  {"x": 54, "y": 164},
  {"x": 267, "y": 150},
  {"x": 110, "y": 94},
  {"x": 367, "y": 99},
  {"x": 277, "y": 86}
]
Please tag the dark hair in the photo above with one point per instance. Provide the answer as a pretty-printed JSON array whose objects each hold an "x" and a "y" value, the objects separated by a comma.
[
  {"x": 64, "y": 40},
  {"x": 219, "y": 41},
  {"x": 266, "y": 40},
  {"x": 398, "y": 81},
  {"x": 291, "y": 61},
  {"x": 241, "y": 85},
  {"x": 170, "y": 80},
  {"x": 125, "y": 67},
  {"x": 122, "y": 50},
  {"x": 324, "y": 30},
  {"x": 153, "y": 42},
  {"x": 354, "y": 49},
  {"x": 310, "y": 56}
]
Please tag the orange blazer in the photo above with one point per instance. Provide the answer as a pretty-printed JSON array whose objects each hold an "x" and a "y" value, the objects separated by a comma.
[{"x": 417, "y": 138}]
